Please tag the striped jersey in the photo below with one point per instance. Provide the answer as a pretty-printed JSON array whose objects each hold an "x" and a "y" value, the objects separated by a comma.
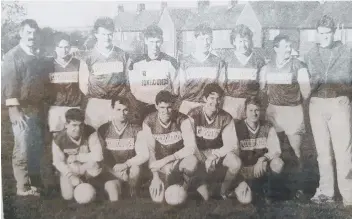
[
  {"x": 118, "y": 145},
  {"x": 63, "y": 81},
  {"x": 168, "y": 137},
  {"x": 209, "y": 132},
  {"x": 252, "y": 143},
  {"x": 282, "y": 84},
  {"x": 107, "y": 73},
  {"x": 148, "y": 77},
  {"x": 242, "y": 79},
  {"x": 195, "y": 75}
]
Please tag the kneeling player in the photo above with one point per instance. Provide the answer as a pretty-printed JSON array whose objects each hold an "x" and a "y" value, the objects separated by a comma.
[
  {"x": 76, "y": 153},
  {"x": 124, "y": 150},
  {"x": 259, "y": 150},
  {"x": 171, "y": 144},
  {"x": 215, "y": 139}
]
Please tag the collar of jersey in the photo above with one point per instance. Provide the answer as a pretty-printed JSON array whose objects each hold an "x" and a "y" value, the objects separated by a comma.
[
  {"x": 148, "y": 59},
  {"x": 120, "y": 131},
  {"x": 283, "y": 64},
  {"x": 64, "y": 65},
  {"x": 26, "y": 49},
  {"x": 164, "y": 125},
  {"x": 77, "y": 142},
  {"x": 105, "y": 54},
  {"x": 250, "y": 128},
  {"x": 209, "y": 121},
  {"x": 204, "y": 59},
  {"x": 237, "y": 55}
]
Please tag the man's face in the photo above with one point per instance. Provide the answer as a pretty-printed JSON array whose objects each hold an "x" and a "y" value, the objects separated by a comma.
[
  {"x": 242, "y": 44},
  {"x": 74, "y": 129},
  {"x": 203, "y": 43},
  {"x": 212, "y": 102},
  {"x": 284, "y": 49},
  {"x": 28, "y": 35},
  {"x": 253, "y": 113},
  {"x": 104, "y": 37},
  {"x": 164, "y": 111},
  {"x": 120, "y": 112},
  {"x": 62, "y": 49},
  {"x": 153, "y": 45},
  {"x": 325, "y": 36}
]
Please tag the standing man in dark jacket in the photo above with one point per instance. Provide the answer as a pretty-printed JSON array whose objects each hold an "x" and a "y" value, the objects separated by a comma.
[
  {"x": 330, "y": 66},
  {"x": 24, "y": 76}
]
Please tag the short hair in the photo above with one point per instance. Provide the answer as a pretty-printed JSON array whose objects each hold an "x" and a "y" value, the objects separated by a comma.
[
  {"x": 212, "y": 88},
  {"x": 252, "y": 100},
  {"x": 164, "y": 96},
  {"x": 31, "y": 23},
  {"x": 279, "y": 38},
  {"x": 121, "y": 100},
  {"x": 74, "y": 114},
  {"x": 61, "y": 36},
  {"x": 241, "y": 30},
  {"x": 203, "y": 29},
  {"x": 104, "y": 22},
  {"x": 153, "y": 31},
  {"x": 326, "y": 21}
]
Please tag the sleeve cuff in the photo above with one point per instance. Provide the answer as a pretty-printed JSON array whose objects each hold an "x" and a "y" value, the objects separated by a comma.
[{"x": 12, "y": 102}]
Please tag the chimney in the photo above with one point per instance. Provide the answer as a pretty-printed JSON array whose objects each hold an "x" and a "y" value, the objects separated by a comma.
[
  {"x": 232, "y": 3},
  {"x": 203, "y": 6},
  {"x": 140, "y": 8},
  {"x": 120, "y": 9}
]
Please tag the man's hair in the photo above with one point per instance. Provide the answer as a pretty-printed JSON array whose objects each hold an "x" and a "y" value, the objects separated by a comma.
[
  {"x": 213, "y": 88},
  {"x": 120, "y": 100},
  {"x": 203, "y": 29},
  {"x": 279, "y": 38},
  {"x": 61, "y": 36},
  {"x": 104, "y": 22},
  {"x": 74, "y": 114},
  {"x": 31, "y": 23},
  {"x": 241, "y": 30},
  {"x": 326, "y": 21},
  {"x": 164, "y": 96},
  {"x": 252, "y": 100},
  {"x": 153, "y": 31}
]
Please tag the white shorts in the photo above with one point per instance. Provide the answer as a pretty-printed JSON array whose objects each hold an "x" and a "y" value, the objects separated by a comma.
[
  {"x": 98, "y": 112},
  {"x": 186, "y": 106},
  {"x": 56, "y": 117},
  {"x": 288, "y": 119},
  {"x": 234, "y": 106}
]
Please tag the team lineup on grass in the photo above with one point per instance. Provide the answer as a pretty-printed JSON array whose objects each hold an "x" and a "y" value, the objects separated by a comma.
[{"x": 112, "y": 118}]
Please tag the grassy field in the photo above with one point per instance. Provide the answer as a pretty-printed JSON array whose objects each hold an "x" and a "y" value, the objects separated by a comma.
[{"x": 54, "y": 207}]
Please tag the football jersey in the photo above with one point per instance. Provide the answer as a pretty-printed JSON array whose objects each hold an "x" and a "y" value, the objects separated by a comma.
[
  {"x": 148, "y": 77},
  {"x": 282, "y": 83},
  {"x": 69, "y": 147},
  {"x": 168, "y": 138},
  {"x": 242, "y": 79},
  {"x": 64, "y": 88},
  {"x": 209, "y": 133},
  {"x": 195, "y": 75},
  {"x": 252, "y": 143},
  {"x": 107, "y": 73},
  {"x": 118, "y": 145}
]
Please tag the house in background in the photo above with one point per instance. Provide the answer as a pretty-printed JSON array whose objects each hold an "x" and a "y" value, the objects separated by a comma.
[{"x": 340, "y": 11}]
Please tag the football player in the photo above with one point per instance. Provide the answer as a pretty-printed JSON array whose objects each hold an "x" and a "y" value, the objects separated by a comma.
[
  {"x": 217, "y": 144},
  {"x": 171, "y": 142},
  {"x": 77, "y": 153},
  {"x": 198, "y": 69},
  {"x": 287, "y": 82},
  {"x": 151, "y": 72},
  {"x": 243, "y": 66},
  {"x": 330, "y": 66},
  {"x": 259, "y": 151},
  {"x": 124, "y": 150}
]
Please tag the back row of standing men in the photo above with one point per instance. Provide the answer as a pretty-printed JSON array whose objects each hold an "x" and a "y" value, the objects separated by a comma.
[{"x": 107, "y": 72}]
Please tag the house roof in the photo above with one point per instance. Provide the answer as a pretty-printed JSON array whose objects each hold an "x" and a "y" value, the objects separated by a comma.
[
  {"x": 179, "y": 16},
  {"x": 285, "y": 15},
  {"x": 127, "y": 21},
  {"x": 340, "y": 11}
]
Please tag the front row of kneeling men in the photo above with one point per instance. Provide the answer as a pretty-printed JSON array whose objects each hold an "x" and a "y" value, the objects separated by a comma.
[{"x": 191, "y": 146}]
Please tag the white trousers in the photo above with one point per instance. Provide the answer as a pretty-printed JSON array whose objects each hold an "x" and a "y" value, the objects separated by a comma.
[{"x": 331, "y": 121}]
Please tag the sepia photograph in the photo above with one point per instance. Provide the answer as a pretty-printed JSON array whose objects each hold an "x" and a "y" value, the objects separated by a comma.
[{"x": 200, "y": 109}]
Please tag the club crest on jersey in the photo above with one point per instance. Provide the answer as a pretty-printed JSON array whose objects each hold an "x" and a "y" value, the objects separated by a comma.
[
  {"x": 169, "y": 138},
  {"x": 71, "y": 151},
  {"x": 207, "y": 133},
  {"x": 252, "y": 144},
  {"x": 155, "y": 82},
  {"x": 120, "y": 144}
]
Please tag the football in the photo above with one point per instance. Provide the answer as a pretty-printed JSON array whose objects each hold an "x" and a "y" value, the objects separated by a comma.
[
  {"x": 84, "y": 193},
  {"x": 175, "y": 195}
]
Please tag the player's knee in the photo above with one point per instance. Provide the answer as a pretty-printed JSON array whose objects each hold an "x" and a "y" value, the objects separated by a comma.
[
  {"x": 66, "y": 188},
  {"x": 233, "y": 162},
  {"x": 189, "y": 164},
  {"x": 276, "y": 165},
  {"x": 112, "y": 187},
  {"x": 134, "y": 171}
]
